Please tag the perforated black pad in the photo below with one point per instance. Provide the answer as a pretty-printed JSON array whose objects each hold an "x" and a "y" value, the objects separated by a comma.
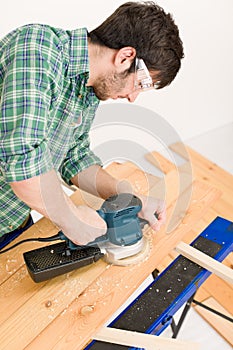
[
  {"x": 160, "y": 295},
  {"x": 56, "y": 259}
]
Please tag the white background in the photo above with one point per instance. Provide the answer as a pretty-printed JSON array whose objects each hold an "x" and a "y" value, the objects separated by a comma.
[
  {"x": 200, "y": 98},
  {"x": 199, "y": 101}
]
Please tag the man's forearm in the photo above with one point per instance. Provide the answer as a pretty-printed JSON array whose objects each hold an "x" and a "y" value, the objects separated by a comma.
[
  {"x": 97, "y": 181},
  {"x": 44, "y": 193}
]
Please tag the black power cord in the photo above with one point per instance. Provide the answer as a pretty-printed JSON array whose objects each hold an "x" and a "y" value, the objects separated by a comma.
[
  {"x": 213, "y": 310},
  {"x": 39, "y": 239}
]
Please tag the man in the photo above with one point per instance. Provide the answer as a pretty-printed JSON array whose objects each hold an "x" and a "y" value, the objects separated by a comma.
[{"x": 51, "y": 83}]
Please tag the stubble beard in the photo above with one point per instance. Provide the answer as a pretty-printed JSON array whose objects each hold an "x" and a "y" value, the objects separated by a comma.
[{"x": 110, "y": 85}]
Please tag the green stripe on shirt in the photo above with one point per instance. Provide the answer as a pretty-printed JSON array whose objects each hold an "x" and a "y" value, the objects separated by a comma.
[{"x": 43, "y": 76}]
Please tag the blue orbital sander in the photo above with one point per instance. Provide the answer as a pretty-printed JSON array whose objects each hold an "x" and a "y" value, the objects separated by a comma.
[{"x": 123, "y": 243}]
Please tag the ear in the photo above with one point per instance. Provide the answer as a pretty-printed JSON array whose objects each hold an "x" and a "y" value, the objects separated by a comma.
[{"x": 124, "y": 57}]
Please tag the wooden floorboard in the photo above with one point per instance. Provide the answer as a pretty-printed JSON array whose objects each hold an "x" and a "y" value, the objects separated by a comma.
[
  {"x": 65, "y": 312},
  {"x": 112, "y": 288},
  {"x": 209, "y": 173}
]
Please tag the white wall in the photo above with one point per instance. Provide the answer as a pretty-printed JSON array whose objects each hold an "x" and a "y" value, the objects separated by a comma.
[{"x": 200, "y": 98}]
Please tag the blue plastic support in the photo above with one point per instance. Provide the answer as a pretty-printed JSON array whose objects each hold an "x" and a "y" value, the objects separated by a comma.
[{"x": 152, "y": 311}]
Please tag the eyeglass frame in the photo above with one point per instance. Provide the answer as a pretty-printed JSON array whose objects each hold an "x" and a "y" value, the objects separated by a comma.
[{"x": 145, "y": 82}]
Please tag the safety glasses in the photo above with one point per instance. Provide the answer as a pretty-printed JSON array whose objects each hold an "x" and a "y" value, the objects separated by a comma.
[{"x": 143, "y": 80}]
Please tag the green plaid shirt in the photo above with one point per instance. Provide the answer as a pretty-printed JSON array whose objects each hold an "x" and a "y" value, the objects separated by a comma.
[{"x": 46, "y": 110}]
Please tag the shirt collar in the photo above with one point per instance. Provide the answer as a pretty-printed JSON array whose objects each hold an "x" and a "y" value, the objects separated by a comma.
[{"x": 78, "y": 53}]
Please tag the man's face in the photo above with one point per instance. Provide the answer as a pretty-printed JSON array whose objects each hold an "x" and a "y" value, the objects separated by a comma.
[{"x": 116, "y": 85}]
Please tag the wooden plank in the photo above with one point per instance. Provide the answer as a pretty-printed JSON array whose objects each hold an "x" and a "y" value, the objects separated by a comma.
[
  {"x": 202, "y": 162},
  {"x": 108, "y": 292},
  {"x": 64, "y": 315},
  {"x": 209, "y": 172},
  {"x": 202, "y": 294},
  {"x": 201, "y": 225},
  {"x": 182, "y": 175},
  {"x": 212, "y": 174},
  {"x": 164, "y": 263},
  {"x": 147, "y": 341},
  {"x": 15, "y": 291},
  {"x": 205, "y": 261},
  {"x": 222, "y": 326},
  {"x": 160, "y": 162},
  {"x": 11, "y": 261},
  {"x": 229, "y": 260},
  {"x": 221, "y": 291},
  {"x": 206, "y": 171},
  {"x": 18, "y": 287},
  {"x": 142, "y": 182},
  {"x": 213, "y": 286},
  {"x": 181, "y": 191},
  {"x": 224, "y": 207},
  {"x": 20, "y": 292},
  {"x": 176, "y": 184},
  {"x": 25, "y": 318}
]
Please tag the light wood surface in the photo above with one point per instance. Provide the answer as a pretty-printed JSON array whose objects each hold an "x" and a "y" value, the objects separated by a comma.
[
  {"x": 145, "y": 341},
  {"x": 224, "y": 327},
  {"x": 205, "y": 261},
  {"x": 209, "y": 173},
  {"x": 65, "y": 312}
]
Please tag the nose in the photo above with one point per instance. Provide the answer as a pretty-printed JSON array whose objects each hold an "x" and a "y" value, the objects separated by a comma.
[{"x": 132, "y": 96}]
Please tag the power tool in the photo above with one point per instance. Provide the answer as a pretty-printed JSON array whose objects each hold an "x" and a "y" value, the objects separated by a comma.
[{"x": 123, "y": 239}]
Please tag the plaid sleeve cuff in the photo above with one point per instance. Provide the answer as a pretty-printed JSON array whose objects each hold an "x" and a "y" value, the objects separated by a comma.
[
  {"x": 24, "y": 166},
  {"x": 75, "y": 165}
]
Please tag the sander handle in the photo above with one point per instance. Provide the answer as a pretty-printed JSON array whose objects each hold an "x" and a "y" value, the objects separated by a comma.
[
  {"x": 100, "y": 239},
  {"x": 124, "y": 227}
]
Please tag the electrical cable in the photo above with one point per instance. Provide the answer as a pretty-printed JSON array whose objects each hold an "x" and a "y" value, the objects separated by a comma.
[
  {"x": 213, "y": 310},
  {"x": 39, "y": 239}
]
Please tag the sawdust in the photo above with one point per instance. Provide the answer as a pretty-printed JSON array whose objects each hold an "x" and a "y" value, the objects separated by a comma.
[{"x": 138, "y": 258}]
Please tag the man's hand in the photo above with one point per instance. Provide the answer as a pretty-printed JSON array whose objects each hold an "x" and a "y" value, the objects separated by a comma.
[
  {"x": 97, "y": 181},
  {"x": 89, "y": 226},
  {"x": 150, "y": 207}
]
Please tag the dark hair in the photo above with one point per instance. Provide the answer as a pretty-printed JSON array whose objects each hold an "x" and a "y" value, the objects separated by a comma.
[{"x": 153, "y": 33}]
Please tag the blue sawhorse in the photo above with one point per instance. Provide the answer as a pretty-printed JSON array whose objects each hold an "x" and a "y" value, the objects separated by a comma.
[{"x": 153, "y": 310}]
